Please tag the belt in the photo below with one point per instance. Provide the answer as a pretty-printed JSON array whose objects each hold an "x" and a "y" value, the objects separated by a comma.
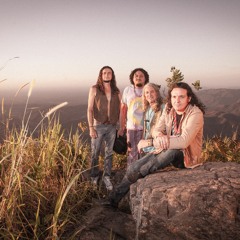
[{"x": 105, "y": 123}]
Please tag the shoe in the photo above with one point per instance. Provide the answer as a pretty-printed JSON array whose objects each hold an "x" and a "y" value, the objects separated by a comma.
[
  {"x": 108, "y": 184},
  {"x": 94, "y": 180},
  {"x": 102, "y": 202},
  {"x": 112, "y": 200}
]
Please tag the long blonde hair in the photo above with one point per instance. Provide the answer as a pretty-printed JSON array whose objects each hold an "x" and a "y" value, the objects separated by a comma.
[{"x": 157, "y": 106}]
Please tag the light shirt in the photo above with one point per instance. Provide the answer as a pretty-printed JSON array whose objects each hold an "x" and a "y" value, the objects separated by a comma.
[{"x": 132, "y": 97}]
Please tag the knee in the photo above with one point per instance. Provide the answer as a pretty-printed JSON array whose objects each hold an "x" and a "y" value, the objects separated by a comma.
[{"x": 133, "y": 175}]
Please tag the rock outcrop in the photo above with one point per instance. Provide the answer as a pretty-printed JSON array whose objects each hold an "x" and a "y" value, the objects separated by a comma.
[
  {"x": 103, "y": 223},
  {"x": 201, "y": 203}
]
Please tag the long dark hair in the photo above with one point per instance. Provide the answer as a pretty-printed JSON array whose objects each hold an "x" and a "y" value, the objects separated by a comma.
[
  {"x": 145, "y": 73},
  {"x": 194, "y": 99},
  {"x": 113, "y": 82}
]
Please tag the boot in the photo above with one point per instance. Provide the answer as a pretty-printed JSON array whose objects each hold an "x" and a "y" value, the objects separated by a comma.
[{"x": 121, "y": 190}]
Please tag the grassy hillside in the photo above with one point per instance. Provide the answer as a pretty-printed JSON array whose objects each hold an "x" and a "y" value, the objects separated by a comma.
[{"x": 44, "y": 169}]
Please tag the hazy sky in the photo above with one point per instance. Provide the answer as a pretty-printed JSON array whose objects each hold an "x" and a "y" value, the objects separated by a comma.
[{"x": 64, "y": 43}]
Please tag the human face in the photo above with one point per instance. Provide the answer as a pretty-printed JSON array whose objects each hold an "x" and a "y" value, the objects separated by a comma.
[
  {"x": 139, "y": 79},
  {"x": 106, "y": 75},
  {"x": 150, "y": 94},
  {"x": 179, "y": 100}
]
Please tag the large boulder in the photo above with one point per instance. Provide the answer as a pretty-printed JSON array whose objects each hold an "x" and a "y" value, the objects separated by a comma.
[{"x": 200, "y": 203}]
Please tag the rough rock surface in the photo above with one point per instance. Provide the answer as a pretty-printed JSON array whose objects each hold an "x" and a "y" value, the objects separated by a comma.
[
  {"x": 201, "y": 203},
  {"x": 102, "y": 223}
]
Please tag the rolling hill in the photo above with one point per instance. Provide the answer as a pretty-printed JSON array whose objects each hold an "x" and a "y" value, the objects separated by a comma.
[{"x": 222, "y": 116}]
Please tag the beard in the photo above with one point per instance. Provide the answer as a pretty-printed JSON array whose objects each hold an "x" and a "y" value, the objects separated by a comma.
[
  {"x": 107, "y": 81},
  {"x": 139, "y": 85}
]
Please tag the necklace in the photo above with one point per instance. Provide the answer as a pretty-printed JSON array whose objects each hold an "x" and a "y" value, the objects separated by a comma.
[
  {"x": 148, "y": 119},
  {"x": 136, "y": 94}
]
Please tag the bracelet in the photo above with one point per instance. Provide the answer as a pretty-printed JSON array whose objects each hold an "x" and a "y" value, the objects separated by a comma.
[
  {"x": 91, "y": 126},
  {"x": 150, "y": 142}
]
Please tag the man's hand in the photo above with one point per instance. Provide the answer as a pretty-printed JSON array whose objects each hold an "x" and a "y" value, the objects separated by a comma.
[
  {"x": 93, "y": 132},
  {"x": 120, "y": 132},
  {"x": 162, "y": 142}
]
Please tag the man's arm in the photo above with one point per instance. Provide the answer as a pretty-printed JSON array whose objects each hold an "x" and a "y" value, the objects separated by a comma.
[
  {"x": 122, "y": 118},
  {"x": 91, "y": 96}
]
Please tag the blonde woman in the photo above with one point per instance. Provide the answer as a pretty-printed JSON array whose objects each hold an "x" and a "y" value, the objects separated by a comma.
[{"x": 152, "y": 107}]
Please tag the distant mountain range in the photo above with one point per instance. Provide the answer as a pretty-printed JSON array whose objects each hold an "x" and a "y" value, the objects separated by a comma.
[
  {"x": 223, "y": 111},
  {"x": 222, "y": 116}
]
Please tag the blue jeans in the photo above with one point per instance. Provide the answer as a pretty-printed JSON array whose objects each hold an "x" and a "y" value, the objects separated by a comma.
[
  {"x": 144, "y": 166},
  {"x": 106, "y": 134}
]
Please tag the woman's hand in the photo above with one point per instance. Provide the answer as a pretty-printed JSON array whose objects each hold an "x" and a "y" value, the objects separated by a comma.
[
  {"x": 145, "y": 143},
  {"x": 142, "y": 143}
]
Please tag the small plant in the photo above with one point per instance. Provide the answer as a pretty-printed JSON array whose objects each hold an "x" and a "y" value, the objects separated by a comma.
[
  {"x": 177, "y": 76},
  {"x": 224, "y": 149}
]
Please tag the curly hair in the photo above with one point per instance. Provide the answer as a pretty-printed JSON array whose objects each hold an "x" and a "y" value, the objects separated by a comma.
[
  {"x": 159, "y": 101},
  {"x": 145, "y": 73},
  {"x": 113, "y": 82},
  {"x": 194, "y": 99}
]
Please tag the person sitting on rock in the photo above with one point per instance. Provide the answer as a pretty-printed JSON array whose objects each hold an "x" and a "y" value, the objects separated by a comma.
[
  {"x": 177, "y": 139},
  {"x": 152, "y": 107}
]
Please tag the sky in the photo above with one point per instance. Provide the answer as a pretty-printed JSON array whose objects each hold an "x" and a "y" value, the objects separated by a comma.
[{"x": 62, "y": 44}]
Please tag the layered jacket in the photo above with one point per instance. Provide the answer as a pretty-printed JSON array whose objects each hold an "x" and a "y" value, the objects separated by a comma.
[{"x": 191, "y": 134}]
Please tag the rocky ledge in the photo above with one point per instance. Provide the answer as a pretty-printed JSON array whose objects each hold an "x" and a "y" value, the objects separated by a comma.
[{"x": 201, "y": 203}]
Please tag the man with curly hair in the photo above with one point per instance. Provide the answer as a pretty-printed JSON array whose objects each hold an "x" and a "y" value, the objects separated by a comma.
[{"x": 131, "y": 114}]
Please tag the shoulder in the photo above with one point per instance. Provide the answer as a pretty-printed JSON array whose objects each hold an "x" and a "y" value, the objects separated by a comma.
[
  {"x": 194, "y": 114},
  {"x": 93, "y": 91},
  {"x": 128, "y": 89},
  {"x": 94, "y": 87},
  {"x": 194, "y": 110}
]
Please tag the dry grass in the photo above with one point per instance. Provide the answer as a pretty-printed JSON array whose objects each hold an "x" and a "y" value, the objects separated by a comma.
[
  {"x": 43, "y": 187},
  {"x": 225, "y": 149}
]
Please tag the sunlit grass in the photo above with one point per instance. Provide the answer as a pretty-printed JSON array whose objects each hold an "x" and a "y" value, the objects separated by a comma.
[{"x": 224, "y": 149}]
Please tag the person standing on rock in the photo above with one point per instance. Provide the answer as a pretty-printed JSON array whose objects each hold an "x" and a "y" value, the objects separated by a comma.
[
  {"x": 131, "y": 115},
  {"x": 103, "y": 114},
  {"x": 177, "y": 139}
]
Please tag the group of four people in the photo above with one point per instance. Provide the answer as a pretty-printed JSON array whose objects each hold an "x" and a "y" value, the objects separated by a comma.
[{"x": 158, "y": 134}]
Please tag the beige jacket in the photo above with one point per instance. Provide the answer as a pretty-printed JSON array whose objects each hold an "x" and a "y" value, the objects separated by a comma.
[{"x": 191, "y": 137}]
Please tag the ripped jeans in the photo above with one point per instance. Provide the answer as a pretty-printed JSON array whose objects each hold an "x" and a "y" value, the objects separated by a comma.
[
  {"x": 106, "y": 134},
  {"x": 152, "y": 162},
  {"x": 146, "y": 165}
]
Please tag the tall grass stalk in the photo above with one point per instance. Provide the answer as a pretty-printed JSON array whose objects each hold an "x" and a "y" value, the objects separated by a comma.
[
  {"x": 47, "y": 115},
  {"x": 26, "y": 105},
  {"x": 32, "y": 171}
]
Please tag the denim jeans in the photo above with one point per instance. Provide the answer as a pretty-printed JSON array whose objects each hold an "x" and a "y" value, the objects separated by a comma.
[
  {"x": 133, "y": 138},
  {"x": 144, "y": 166},
  {"x": 106, "y": 133}
]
